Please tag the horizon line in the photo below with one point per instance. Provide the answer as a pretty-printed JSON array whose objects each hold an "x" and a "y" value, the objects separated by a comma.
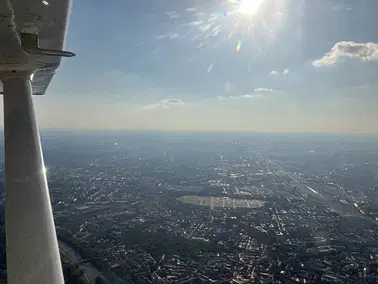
[
  {"x": 328, "y": 132},
  {"x": 205, "y": 131}
]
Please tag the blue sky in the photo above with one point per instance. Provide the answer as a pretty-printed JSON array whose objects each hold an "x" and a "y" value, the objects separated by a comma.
[{"x": 303, "y": 65}]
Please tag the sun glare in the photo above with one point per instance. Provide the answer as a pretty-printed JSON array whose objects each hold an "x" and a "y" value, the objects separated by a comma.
[{"x": 249, "y": 7}]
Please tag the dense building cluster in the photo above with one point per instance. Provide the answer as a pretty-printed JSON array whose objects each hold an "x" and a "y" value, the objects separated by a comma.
[{"x": 175, "y": 208}]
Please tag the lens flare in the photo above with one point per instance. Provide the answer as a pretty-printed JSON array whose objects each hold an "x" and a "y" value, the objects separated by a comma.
[
  {"x": 238, "y": 45},
  {"x": 211, "y": 31},
  {"x": 249, "y": 7}
]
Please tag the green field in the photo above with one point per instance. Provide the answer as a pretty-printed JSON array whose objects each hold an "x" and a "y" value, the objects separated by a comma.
[{"x": 221, "y": 202}]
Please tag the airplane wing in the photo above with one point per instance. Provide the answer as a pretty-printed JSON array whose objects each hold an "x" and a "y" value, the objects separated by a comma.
[
  {"x": 49, "y": 18},
  {"x": 32, "y": 36}
]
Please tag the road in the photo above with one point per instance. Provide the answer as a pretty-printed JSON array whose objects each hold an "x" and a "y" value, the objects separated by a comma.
[{"x": 326, "y": 197}]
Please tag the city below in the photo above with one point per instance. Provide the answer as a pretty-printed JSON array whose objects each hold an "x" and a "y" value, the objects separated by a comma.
[{"x": 166, "y": 207}]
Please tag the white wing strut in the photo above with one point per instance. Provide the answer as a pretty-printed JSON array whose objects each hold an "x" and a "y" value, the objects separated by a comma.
[
  {"x": 32, "y": 34},
  {"x": 32, "y": 248}
]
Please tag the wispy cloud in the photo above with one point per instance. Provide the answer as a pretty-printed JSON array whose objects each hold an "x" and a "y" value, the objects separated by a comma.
[
  {"x": 263, "y": 90},
  {"x": 252, "y": 96},
  {"x": 342, "y": 8},
  {"x": 168, "y": 35},
  {"x": 166, "y": 103},
  {"x": 273, "y": 73},
  {"x": 247, "y": 96},
  {"x": 172, "y": 14},
  {"x": 256, "y": 93},
  {"x": 348, "y": 49},
  {"x": 276, "y": 73}
]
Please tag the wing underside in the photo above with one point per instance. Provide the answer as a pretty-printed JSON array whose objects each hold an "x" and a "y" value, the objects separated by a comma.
[{"x": 49, "y": 19}]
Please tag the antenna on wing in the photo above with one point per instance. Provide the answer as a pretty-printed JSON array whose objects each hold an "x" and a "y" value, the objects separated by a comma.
[{"x": 30, "y": 44}]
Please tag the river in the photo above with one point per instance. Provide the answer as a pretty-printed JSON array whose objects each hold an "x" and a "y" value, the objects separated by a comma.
[{"x": 90, "y": 271}]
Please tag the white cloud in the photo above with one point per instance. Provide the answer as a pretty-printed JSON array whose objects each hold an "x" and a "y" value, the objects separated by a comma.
[
  {"x": 263, "y": 90},
  {"x": 225, "y": 97},
  {"x": 276, "y": 73},
  {"x": 172, "y": 14},
  {"x": 256, "y": 93},
  {"x": 342, "y": 8},
  {"x": 247, "y": 96},
  {"x": 169, "y": 35},
  {"x": 273, "y": 73},
  {"x": 348, "y": 49},
  {"x": 251, "y": 96},
  {"x": 166, "y": 103},
  {"x": 172, "y": 102}
]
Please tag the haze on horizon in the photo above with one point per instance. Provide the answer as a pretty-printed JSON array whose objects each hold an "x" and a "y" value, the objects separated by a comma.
[{"x": 276, "y": 65}]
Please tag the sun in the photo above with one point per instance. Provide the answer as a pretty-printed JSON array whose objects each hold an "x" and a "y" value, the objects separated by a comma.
[{"x": 249, "y": 7}]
